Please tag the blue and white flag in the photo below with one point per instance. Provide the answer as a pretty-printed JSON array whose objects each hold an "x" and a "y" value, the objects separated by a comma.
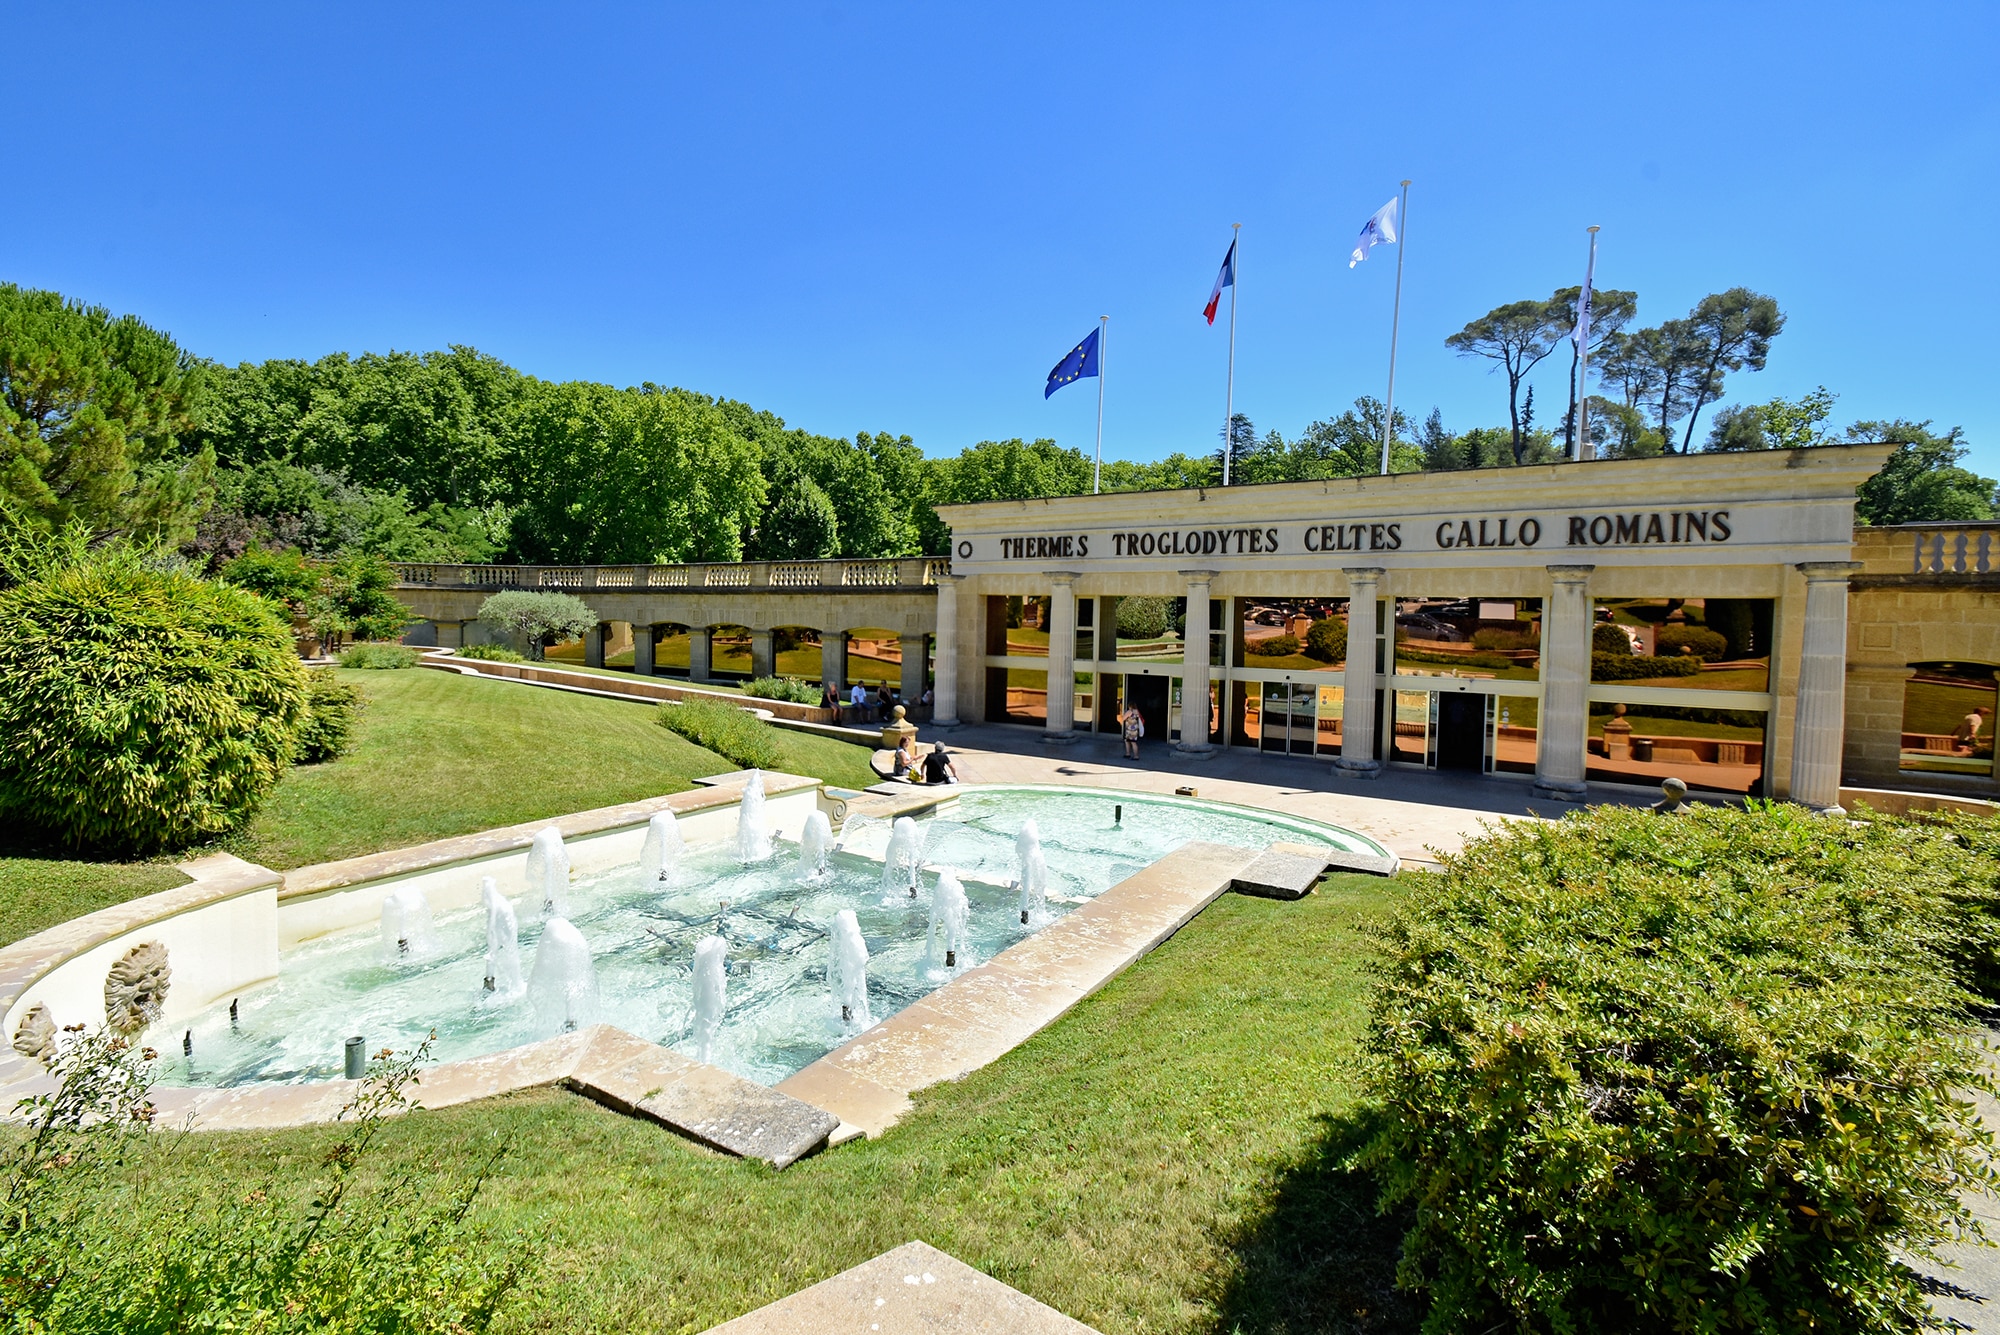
[
  {"x": 1081, "y": 362},
  {"x": 1379, "y": 230}
]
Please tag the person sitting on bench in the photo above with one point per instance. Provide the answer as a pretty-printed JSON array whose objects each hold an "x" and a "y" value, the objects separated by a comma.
[{"x": 906, "y": 761}]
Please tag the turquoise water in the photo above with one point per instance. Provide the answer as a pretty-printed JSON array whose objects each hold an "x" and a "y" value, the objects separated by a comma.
[{"x": 780, "y": 1014}]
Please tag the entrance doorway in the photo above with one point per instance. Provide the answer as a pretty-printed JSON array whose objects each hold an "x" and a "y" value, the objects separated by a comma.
[
  {"x": 1289, "y": 717},
  {"x": 1149, "y": 695},
  {"x": 1464, "y": 722}
]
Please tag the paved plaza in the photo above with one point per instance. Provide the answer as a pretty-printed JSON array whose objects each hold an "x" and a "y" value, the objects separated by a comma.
[{"x": 1415, "y": 814}]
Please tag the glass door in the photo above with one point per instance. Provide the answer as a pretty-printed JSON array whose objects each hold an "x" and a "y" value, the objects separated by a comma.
[{"x": 1289, "y": 717}]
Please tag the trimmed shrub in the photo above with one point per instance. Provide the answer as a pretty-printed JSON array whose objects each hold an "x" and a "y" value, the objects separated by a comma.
[
  {"x": 491, "y": 653},
  {"x": 141, "y": 709},
  {"x": 1143, "y": 618},
  {"x": 730, "y": 731},
  {"x": 379, "y": 656},
  {"x": 783, "y": 688},
  {"x": 332, "y": 709},
  {"x": 543, "y": 618},
  {"x": 1278, "y": 646},
  {"x": 1405, "y": 654},
  {"x": 1493, "y": 638},
  {"x": 1710, "y": 645},
  {"x": 1706, "y": 1073},
  {"x": 1326, "y": 642},
  {"x": 1635, "y": 667},
  {"x": 1606, "y": 638}
]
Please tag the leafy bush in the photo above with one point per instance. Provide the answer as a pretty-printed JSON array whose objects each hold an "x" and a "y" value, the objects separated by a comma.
[
  {"x": 542, "y": 618},
  {"x": 140, "y": 708},
  {"x": 491, "y": 653},
  {"x": 285, "y": 577},
  {"x": 730, "y": 731},
  {"x": 332, "y": 709},
  {"x": 1143, "y": 618},
  {"x": 783, "y": 688},
  {"x": 1705, "y": 1073},
  {"x": 1326, "y": 642},
  {"x": 1700, "y": 640},
  {"x": 1278, "y": 646},
  {"x": 1493, "y": 638},
  {"x": 348, "y": 595},
  {"x": 1634, "y": 667},
  {"x": 77, "y": 1256},
  {"x": 1606, "y": 638},
  {"x": 380, "y": 656}
]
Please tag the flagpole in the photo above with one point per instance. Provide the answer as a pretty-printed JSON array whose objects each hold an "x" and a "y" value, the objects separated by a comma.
[
  {"x": 1395, "y": 323},
  {"x": 1097, "y": 474},
  {"x": 1583, "y": 450},
  {"x": 1229, "y": 395}
]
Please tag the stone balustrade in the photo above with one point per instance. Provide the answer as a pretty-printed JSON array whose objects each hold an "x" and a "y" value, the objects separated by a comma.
[{"x": 893, "y": 573}]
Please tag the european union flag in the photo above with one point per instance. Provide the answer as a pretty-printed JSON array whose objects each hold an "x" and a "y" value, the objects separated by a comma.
[{"x": 1082, "y": 361}]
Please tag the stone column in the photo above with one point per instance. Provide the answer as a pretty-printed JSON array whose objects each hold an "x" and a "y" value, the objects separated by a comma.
[
  {"x": 701, "y": 650},
  {"x": 593, "y": 646},
  {"x": 1062, "y": 657},
  {"x": 1357, "y": 710},
  {"x": 945, "y": 713},
  {"x": 1565, "y": 718},
  {"x": 915, "y": 649},
  {"x": 643, "y": 637},
  {"x": 833, "y": 660},
  {"x": 763, "y": 659},
  {"x": 1194, "y": 667},
  {"x": 1819, "y": 720}
]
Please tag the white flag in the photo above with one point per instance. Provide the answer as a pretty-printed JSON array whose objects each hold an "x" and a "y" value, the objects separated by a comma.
[
  {"x": 1581, "y": 334},
  {"x": 1379, "y": 230}
]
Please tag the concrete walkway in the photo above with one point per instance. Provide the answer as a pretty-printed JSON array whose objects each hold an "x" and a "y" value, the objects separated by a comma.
[{"x": 1413, "y": 813}]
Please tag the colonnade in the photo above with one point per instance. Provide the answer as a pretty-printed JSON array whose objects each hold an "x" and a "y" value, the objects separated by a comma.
[{"x": 1564, "y": 720}]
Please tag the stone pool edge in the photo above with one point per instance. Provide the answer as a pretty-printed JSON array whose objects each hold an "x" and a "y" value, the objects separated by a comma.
[{"x": 992, "y": 1009}]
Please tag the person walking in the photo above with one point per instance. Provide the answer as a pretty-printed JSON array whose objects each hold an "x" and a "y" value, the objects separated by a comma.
[{"x": 1133, "y": 725}]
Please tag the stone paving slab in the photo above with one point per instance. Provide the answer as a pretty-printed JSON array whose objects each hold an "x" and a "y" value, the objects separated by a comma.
[
  {"x": 993, "y": 1008},
  {"x": 1279, "y": 875},
  {"x": 702, "y": 1102},
  {"x": 913, "y": 1290}
]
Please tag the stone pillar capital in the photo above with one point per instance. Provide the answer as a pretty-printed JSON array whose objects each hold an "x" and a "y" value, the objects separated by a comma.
[
  {"x": 1197, "y": 576},
  {"x": 1816, "y": 571},
  {"x": 1362, "y": 574},
  {"x": 1570, "y": 574},
  {"x": 1061, "y": 578}
]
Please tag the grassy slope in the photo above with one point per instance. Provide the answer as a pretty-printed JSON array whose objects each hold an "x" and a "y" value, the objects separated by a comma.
[
  {"x": 435, "y": 755},
  {"x": 1162, "y": 1159},
  {"x": 439, "y": 754}
]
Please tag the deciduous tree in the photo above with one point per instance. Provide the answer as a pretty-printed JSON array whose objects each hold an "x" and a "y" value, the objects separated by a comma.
[{"x": 1922, "y": 482}]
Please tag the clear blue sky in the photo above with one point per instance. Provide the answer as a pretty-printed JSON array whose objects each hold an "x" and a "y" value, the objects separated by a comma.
[{"x": 898, "y": 217}]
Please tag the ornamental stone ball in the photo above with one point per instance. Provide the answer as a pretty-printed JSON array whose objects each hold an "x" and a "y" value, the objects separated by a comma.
[
  {"x": 1675, "y": 802},
  {"x": 136, "y": 989}
]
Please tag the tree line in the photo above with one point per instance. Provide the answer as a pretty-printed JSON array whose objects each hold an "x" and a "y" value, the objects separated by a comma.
[{"x": 456, "y": 456}]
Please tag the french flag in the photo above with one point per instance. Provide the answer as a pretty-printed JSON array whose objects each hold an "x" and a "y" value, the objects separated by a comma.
[{"x": 1227, "y": 278}]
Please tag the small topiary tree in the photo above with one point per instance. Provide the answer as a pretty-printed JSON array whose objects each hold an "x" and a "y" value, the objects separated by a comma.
[
  {"x": 542, "y": 618},
  {"x": 1606, "y": 638},
  {"x": 1142, "y": 618},
  {"x": 1710, "y": 646},
  {"x": 140, "y": 708}
]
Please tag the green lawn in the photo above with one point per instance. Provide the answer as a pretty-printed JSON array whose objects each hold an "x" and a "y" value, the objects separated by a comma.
[
  {"x": 436, "y": 754},
  {"x": 1163, "y": 1159},
  {"x": 37, "y": 893}
]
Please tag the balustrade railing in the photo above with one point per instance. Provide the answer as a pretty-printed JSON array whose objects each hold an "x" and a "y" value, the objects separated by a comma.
[
  {"x": 1957, "y": 549},
  {"x": 912, "y": 573}
]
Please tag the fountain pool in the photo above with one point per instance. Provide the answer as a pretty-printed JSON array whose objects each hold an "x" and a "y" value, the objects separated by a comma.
[{"x": 779, "y": 983}]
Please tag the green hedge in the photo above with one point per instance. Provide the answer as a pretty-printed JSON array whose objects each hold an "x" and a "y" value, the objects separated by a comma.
[
  {"x": 379, "y": 656},
  {"x": 491, "y": 653},
  {"x": 726, "y": 729},
  {"x": 1697, "y": 640},
  {"x": 1278, "y": 646},
  {"x": 333, "y": 708},
  {"x": 1705, "y": 1073},
  {"x": 1492, "y": 638},
  {"x": 1635, "y": 667},
  {"x": 141, "y": 708},
  {"x": 783, "y": 688},
  {"x": 1404, "y": 654}
]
